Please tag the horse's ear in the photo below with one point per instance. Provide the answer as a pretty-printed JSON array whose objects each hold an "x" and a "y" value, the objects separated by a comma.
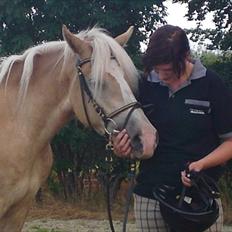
[
  {"x": 77, "y": 45},
  {"x": 123, "y": 38}
]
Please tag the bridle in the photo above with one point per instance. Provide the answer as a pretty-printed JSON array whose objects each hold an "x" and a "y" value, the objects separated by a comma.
[{"x": 106, "y": 118}]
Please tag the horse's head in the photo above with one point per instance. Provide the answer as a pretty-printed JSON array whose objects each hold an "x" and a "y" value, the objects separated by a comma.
[{"x": 101, "y": 93}]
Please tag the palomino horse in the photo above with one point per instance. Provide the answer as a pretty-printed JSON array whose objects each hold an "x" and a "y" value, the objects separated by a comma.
[{"x": 40, "y": 92}]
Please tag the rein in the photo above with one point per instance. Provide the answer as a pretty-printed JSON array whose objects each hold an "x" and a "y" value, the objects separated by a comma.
[{"x": 107, "y": 118}]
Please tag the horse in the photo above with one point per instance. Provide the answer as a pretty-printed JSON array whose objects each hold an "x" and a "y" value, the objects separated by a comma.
[{"x": 89, "y": 76}]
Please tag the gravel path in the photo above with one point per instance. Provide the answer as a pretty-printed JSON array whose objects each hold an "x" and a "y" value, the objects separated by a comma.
[
  {"x": 80, "y": 225},
  {"x": 77, "y": 225}
]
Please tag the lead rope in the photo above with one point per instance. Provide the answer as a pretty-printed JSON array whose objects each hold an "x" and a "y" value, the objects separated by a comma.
[
  {"x": 109, "y": 162},
  {"x": 131, "y": 177}
]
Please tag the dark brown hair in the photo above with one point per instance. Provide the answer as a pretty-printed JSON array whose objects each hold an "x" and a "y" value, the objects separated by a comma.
[{"x": 168, "y": 44}]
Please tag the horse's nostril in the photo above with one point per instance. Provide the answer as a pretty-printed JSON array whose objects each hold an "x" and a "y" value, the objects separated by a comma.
[{"x": 136, "y": 143}]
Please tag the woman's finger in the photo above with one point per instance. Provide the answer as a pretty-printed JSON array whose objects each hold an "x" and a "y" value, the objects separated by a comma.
[
  {"x": 185, "y": 180},
  {"x": 119, "y": 136},
  {"x": 126, "y": 149}
]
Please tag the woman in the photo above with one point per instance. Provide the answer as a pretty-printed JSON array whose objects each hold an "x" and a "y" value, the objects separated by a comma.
[{"x": 192, "y": 111}]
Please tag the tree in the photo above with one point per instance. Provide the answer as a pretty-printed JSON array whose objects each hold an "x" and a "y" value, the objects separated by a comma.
[
  {"x": 25, "y": 23},
  {"x": 221, "y": 37}
]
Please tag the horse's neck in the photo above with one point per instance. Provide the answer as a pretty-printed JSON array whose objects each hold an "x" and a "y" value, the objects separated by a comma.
[
  {"x": 55, "y": 111},
  {"x": 46, "y": 107}
]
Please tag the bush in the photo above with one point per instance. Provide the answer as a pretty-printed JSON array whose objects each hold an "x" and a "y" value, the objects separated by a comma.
[{"x": 222, "y": 64}]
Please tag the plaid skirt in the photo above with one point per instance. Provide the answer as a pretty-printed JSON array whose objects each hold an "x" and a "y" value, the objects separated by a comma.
[{"x": 149, "y": 219}]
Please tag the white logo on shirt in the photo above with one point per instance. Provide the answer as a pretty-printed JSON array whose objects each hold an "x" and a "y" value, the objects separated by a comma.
[{"x": 196, "y": 111}]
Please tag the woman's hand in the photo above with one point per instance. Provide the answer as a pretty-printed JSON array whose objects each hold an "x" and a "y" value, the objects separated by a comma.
[
  {"x": 219, "y": 156},
  {"x": 122, "y": 144},
  {"x": 194, "y": 166}
]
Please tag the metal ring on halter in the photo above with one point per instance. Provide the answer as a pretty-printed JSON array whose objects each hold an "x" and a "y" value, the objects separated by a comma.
[{"x": 107, "y": 121}]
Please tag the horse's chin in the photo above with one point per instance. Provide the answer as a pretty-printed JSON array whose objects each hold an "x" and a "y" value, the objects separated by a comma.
[
  {"x": 138, "y": 150},
  {"x": 138, "y": 154}
]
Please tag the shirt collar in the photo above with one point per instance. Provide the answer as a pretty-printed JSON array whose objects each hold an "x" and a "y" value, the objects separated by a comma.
[{"x": 199, "y": 71}]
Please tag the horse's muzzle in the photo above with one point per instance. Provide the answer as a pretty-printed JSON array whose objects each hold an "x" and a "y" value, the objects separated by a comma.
[{"x": 143, "y": 146}]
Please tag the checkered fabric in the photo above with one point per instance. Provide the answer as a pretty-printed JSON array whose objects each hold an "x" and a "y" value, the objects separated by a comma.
[{"x": 149, "y": 219}]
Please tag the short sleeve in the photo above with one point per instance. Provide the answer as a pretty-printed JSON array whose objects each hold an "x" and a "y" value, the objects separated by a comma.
[{"x": 221, "y": 106}]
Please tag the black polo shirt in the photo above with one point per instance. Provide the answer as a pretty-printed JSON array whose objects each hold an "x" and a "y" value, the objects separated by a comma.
[{"x": 191, "y": 122}]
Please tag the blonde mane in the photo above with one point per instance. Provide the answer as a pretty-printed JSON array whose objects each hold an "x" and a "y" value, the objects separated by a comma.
[{"x": 104, "y": 47}]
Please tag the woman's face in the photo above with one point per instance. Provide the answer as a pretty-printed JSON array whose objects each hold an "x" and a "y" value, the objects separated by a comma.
[{"x": 165, "y": 72}]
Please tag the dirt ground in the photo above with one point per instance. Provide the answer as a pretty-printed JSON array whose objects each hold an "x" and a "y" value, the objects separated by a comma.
[
  {"x": 53, "y": 215},
  {"x": 75, "y": 225},
  {"x": 56, "y": 216}
]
